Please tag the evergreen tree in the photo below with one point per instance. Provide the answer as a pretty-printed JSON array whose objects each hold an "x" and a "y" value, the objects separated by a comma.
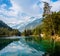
[{"x": 46, "y": 9}]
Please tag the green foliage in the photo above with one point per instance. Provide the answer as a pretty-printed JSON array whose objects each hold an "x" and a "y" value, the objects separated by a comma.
[
  {"x": 49, "y": 47},
  {"x": 36, "y": 31},
  {"x": 8, "y": 32},
  {"x": 51, "y": 24},
  {"x": 27, "y": 32},
  {"x": 57, "y": 49}
]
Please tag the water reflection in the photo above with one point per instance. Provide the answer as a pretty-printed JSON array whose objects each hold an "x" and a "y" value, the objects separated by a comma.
[{"x": 23, "y": 47}]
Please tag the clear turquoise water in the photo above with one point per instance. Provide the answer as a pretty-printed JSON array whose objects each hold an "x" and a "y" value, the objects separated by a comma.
[{"x": 21, "y": 48}]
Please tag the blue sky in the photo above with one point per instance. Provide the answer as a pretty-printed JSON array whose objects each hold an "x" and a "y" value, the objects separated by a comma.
[
  {"x": 20, "y": 11},
  {"x": 54, "y": 0}
]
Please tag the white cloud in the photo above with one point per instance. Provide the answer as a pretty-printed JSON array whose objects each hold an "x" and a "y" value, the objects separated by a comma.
[
  {"x": 13, "y": 11},
  {"x": 15, "y": 7},
  {"x": 3, "y": 6},
  {"x": 46, "y": 1},
  {"x": 28, "y": 6},
  {"x": 55, "y": 6},
  {"x": 13, "y": 16}
]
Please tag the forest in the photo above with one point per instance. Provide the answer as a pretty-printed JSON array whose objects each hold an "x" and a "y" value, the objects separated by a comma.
[{"x": 5, "y": 30}]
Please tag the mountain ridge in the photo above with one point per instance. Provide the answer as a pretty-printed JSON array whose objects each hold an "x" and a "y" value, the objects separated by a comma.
[
  {"x": 6, "y": 31},
  {"x": 29, "y": 25},
  {"x": 4, "y": 25}
]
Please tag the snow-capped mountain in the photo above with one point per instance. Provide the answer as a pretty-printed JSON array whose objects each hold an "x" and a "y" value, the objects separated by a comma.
[
  {"x": 33, "y": 24},
  {"x": 28, "y": 25}
]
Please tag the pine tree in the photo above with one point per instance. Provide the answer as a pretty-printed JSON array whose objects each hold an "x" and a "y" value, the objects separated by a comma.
[{"x": 47, "y": 8}]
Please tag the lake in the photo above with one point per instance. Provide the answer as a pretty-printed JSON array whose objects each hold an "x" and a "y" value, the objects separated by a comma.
[{"x": 22, "y": 47}]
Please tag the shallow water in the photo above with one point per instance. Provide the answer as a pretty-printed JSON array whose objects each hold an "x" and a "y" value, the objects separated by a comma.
[{"x": 21, "y": 48}]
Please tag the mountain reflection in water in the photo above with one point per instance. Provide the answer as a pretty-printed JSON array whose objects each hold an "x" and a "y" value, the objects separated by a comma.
[{"x": 21, "y": 48}]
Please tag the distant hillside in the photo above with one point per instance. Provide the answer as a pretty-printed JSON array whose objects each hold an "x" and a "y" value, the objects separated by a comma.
[
  {"x": 5, "y": 30},
  {"x": 3, "y": 25}
]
